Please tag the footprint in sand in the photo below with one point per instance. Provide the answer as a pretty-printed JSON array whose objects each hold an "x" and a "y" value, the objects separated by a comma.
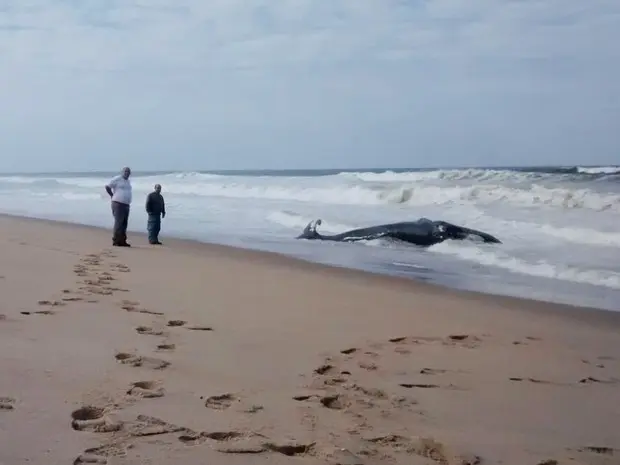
[
  {"x": 166, "y": 346},
  {"x": 402, "y": 350},
  {"x": 140, "y": 361},
  {"x": 531, "y": 380},
  {"x": 254, "y": 408},
  {"x": 191, "y": 437},
  {"x": 96, "y": 290},
  {"x": 592, "y": 380},
  {"x": 432, "y": 371},
  {"x": 425, "y": 447},
  {"x": 419, "y": 385},
  {"x": 146, "y": 389},
  {"x": 334, "y": 402},
  {"x": 45, "y": 312},
  {"x": 100, "y": 455},
  {"x": 93, "y": 419},
  {"x": 588, "y": 362},
  {"x": 2, "y": 317},
  {"x": 7, "y": 403},
  {"x": 369, "y": 366},
  {"x": 257, "y": 447},
  {"x": 145, "y": 425},
  {"x": 120, "y": 267},
  {"x": 133, "y": 309},
  {"x": 305, "y": 397},
  {"x": 463, "y": 340},
  {"x": 80, "y": 270},
  {"x": 602, "y": 450},
  {"x": 221, "y": 402},
  {"x": 51, "y": 303},
  {"x": 148, "y": 312},
  {"x": 150, "y": 331},
  {"x": 132, "y": 306},
  {"x": 291, "y": 450},
  {"x": 39, "y": 312},
  {"x": 91, "y": 458},
  {"x": 199, "y": 328},
  {"x": 324, "y": 369},
  {"x": 177, "y": 323},
  {"x": 106, "y": 277}
]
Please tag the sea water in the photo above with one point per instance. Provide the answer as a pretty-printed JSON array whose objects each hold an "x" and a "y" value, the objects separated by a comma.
[{"x": 559, "y": 226}]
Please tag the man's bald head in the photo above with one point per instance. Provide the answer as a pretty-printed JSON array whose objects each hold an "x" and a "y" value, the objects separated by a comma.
[
  {"x": 126, "y": 172},
  {"x": 158, "y": 188}
]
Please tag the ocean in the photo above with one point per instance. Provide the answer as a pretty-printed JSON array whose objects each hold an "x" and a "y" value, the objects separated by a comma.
[{"x": 560, "y": 226}]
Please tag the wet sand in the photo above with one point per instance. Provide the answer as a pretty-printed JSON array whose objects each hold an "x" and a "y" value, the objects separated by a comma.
[{"x": 193, "y": 353}]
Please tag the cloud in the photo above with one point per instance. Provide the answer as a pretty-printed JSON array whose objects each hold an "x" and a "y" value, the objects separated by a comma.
[{"x": 295, "y": 82}]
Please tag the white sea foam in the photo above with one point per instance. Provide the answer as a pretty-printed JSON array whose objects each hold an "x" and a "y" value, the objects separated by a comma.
[
  {"x": 599, "y": 170},
  {"x": 407, "y": 189},
  {"x": 495, "y": 257}
]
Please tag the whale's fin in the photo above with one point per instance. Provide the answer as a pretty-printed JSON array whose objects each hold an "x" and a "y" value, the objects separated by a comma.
[{"x": 453, "y": 231}]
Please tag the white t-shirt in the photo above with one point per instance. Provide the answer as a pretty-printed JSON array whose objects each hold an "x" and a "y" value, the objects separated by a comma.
[{"x": 121, "y": 189}]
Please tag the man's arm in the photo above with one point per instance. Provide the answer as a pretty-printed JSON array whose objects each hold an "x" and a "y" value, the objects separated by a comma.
[
  {"x": 109, "y": 186},
  {"x": 163, "y": 207},
  {"x": 149, "y": 203}
]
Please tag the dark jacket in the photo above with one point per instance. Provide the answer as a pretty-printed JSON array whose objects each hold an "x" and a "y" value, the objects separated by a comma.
[{"x": 155, "y": 204}]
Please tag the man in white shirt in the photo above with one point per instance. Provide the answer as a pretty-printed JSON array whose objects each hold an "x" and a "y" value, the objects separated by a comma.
[{"x": 119, "y": 190}]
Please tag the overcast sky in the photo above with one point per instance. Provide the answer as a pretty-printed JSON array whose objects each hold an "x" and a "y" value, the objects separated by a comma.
[{"x": 234, "y": 84}]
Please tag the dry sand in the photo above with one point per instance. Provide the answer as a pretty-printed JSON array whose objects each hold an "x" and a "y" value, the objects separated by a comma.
[{"x": 243, "y": 357}]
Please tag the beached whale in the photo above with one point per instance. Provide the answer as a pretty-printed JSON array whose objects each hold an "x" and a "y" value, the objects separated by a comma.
[{"x": 423, "y": 232}]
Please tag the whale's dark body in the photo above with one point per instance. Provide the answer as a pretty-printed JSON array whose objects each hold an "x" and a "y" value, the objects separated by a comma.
[{"x": 422, "y": 232}]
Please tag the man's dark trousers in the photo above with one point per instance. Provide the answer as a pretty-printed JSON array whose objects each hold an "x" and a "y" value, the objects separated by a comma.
[
  {"x": 153, "y": 226},
  {"x": 120, "y": 211}
]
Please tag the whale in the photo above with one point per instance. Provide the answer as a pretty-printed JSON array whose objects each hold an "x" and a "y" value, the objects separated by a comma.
[{"x": 422, "y": 232}]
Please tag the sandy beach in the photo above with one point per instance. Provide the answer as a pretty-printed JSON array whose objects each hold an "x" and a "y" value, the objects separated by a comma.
[{"x": 203, "y": 354}]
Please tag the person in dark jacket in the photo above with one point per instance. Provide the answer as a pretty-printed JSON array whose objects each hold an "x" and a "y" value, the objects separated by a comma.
[{"x": 156, "y": 210}]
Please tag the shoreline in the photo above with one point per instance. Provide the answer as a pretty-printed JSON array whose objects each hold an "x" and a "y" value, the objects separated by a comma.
[
  {"x": 432, "y": 288},
  {"x": 546, "y": 256},
  {"x": 200, "y": 353}
]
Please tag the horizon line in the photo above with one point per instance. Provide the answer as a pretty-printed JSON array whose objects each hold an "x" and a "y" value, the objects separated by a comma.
[{"x": 276, "y": 170}]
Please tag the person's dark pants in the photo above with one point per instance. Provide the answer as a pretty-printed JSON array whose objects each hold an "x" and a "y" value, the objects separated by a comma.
[
  {"x": 120, "y": 211},
  {"x": 153, "y": 226}
]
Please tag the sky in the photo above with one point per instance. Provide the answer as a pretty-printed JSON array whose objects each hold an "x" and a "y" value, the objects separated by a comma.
[{"x": 297, "y": 84}]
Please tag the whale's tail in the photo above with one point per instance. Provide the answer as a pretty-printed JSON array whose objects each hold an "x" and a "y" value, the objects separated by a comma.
[{"x": 309, "y": 231}]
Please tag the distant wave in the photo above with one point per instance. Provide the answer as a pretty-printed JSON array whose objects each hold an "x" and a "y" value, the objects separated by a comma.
[
  {"x": 521, "y": 175},
  {"x": 477, "y": 187},
  {"x": 407, "y": 194}
]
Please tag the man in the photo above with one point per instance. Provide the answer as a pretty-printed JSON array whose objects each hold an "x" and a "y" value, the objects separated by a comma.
[
  {"x": 155, "y": 206},
  {"x": 119, "y": 190}
]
